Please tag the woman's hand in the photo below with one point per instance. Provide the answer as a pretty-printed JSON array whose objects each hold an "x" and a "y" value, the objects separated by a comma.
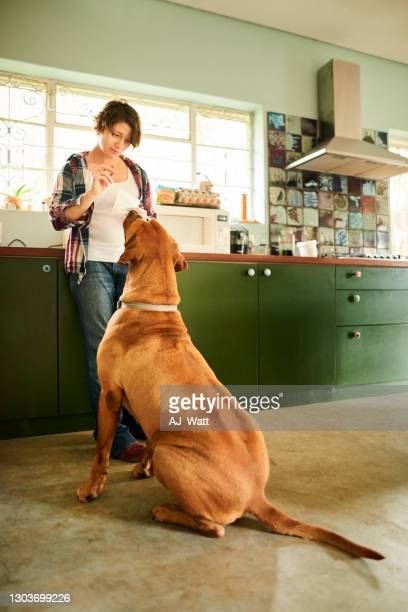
[{"x": 101, "y": 179}]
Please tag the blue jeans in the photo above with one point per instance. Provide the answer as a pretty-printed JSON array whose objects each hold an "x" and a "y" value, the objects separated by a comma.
[{"x": 96, "y": 297}]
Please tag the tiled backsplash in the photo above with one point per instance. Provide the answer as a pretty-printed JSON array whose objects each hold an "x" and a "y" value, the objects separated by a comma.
[{"x": 346, "y": 215}]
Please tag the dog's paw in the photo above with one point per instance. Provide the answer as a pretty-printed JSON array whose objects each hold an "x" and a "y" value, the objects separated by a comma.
[
  {"x": 86, "y": 492},
  {"x": 159, "y": 514},
  {"x": 141, "y": 471}
]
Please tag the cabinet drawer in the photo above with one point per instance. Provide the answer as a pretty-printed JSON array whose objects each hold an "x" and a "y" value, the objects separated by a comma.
[
  {"x": 366, "y": 277},
  {"x": 379, "y": 355},
  {"x": 371, "y": 307}
]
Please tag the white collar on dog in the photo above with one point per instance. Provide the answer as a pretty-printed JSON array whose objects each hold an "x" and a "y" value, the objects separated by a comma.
[{"x": 143, "y": 306}]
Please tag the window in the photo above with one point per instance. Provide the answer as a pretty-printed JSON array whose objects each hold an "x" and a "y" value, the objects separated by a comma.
[
  {"x": 182, "y": 143},
  {"x": 399, "y": 204}
]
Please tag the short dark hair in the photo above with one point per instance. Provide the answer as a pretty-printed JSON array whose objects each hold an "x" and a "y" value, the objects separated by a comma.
[{"x": 117, "y": 111}]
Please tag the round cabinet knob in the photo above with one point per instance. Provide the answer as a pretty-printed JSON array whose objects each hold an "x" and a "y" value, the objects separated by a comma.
[
  {"x": 251, "y": 272},
  {"x": 357, "y": 274},
  {"x": 355, "y": 298},
  {"x": 267, "y": 272},
  {"x": 46, "y": 268},
  {"x": 356, "y": 335}
]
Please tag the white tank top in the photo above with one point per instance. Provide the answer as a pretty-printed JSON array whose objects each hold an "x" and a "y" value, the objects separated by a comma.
[{"x": 106, "y": 236}]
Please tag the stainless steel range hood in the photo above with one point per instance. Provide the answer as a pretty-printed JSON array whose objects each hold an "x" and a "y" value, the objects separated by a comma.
[{"x": 342, "y": 150}]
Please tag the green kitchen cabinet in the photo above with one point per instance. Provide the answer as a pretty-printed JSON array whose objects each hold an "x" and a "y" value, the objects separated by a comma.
[
  {"x": 371, "y": 277},
  {"x": 219, "y": 305},
  {"x": 372, "y": 354},
  {"x": 28, "y": 338},
  {"x": 296, "y": 324},
  {"x": 369, "y": 307},
  {"x": 73, "y": 388}
]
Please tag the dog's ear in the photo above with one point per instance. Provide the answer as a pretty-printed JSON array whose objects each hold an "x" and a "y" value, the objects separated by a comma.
[
  {"x": 180, "y": 263},
  {"x": 130, "y": 251},
  {"x": 133, "y": 227}
]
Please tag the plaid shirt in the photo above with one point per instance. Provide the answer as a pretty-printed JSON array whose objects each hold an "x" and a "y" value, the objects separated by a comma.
[{"x": 69, "y": 186}]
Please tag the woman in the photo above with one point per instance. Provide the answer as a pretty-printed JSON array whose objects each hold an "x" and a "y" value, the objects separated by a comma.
[{"x": 93, "y": 194}]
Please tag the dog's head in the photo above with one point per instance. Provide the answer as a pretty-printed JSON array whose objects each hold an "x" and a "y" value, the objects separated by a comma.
[{"x": 148, "y": 240}]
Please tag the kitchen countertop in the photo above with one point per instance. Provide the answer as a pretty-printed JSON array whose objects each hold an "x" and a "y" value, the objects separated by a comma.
[{"x": 233, "y": 258}]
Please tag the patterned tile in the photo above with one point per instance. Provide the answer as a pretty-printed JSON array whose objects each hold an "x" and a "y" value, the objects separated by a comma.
[
  {"x": 295, "y": 216},
  {"x": 355, "y": 238},
  {"x": 276, "y": 139},
  {"x": 277, "y": 196},
  {"x": 294, "y": 178},
  {"x": 277, "y": 158},
  {"x": 293, "y": 142},
  {"x": 276, "y": 121},
  {"x": 355, "y": 203},
  {"x": 340, "y": 220},
  {"x": 368, "y": 204},
  {"x": 293, "y": 124},
  {"x": 340, "y": 201},
  {"x": 341, "y": 237},
  {"x": 277, "y": 215},
  {"x": 382, "y": 206},
  {"x": 368, "y": 187},
  {"x": 326, "y": 218},
  {"x": 294, "y": 197},
  {"x": 382, "y": 223},
  {"x": 277, "y": 176},
  {"x": 309, "y": 127},
  {"x": 382, "y": 240},
  {"x": 311, "y": 217},
  {"x": 369, "y": 238},
  {"x": 310, "y": 199},
  {"x": 369, "y": 222},
  {"x": 310, "y": 180},
  {"x": 354, "y": 185},
  {"x": 326, "y": 200},
  {"x": 325, "y": 236},
  {"x": 355, "y": 221},
  {"x": 308, "y": 143},
  {"x": 325, "y": 182},
  {"x": 340, "y": 184},
  {"x": 347, "y": 215},
  {"x": 310, "y": 233}
]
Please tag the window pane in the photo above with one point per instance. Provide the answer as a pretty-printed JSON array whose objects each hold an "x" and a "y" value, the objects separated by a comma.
[
  {"x": 22, "y": 100},
  {"x": 222, "y": 132},
  {"x": 68, "y": 141},
  {"x": 224, "y": 166},
  {"x": 22, "y": 144},
  {"x": 165, "y": 160},
  {"x": 77, "y": 107},
  {"x": 172, "y": 121},
  {"x": 231, "y": 198},
  {"x": 11, "y": 180}
]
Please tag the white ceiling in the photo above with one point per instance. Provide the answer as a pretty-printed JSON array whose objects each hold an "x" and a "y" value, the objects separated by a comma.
[{"x": 378, "y": 27}]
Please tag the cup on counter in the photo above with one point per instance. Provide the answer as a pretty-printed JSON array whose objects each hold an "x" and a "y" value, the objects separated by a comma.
[{"x": 307, "y": 248}]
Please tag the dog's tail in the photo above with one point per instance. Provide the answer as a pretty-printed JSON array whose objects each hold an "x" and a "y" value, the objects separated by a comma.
[{"x": 282, "y": 523}]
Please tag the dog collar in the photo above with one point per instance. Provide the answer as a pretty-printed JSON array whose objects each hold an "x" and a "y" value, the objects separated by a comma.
[{"x": 144, "y": 306}]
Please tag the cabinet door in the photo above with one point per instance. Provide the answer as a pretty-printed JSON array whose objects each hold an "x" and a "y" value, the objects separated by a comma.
[
  {"x": 377, "y": 354},
  {"x": 369, "y": 277},
  {"x": 371, "y": 307},
  {"x": 297, "y": 324},
  {"x": 73, "y": 388},
  {"x": 28, "y": 338},
  {"x": 219, "y": 303}
]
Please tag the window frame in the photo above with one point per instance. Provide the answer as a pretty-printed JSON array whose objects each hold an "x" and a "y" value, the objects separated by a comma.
[{"x": 51, "y": 123}]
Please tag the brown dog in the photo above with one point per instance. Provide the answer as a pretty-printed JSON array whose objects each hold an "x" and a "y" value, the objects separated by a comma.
[{"x": 216, "y": 476}]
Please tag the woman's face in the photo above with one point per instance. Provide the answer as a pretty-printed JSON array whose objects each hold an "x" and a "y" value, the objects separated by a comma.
[{"x": 115, "y": 139}]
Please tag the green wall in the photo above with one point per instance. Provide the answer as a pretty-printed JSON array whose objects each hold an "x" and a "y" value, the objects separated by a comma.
[
  {"x": 170, "y": 50},
  {"x": 154, "y": 42}
]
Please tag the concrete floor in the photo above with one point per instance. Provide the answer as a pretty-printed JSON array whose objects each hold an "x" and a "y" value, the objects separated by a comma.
[{"x": 111, "y": 556}]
